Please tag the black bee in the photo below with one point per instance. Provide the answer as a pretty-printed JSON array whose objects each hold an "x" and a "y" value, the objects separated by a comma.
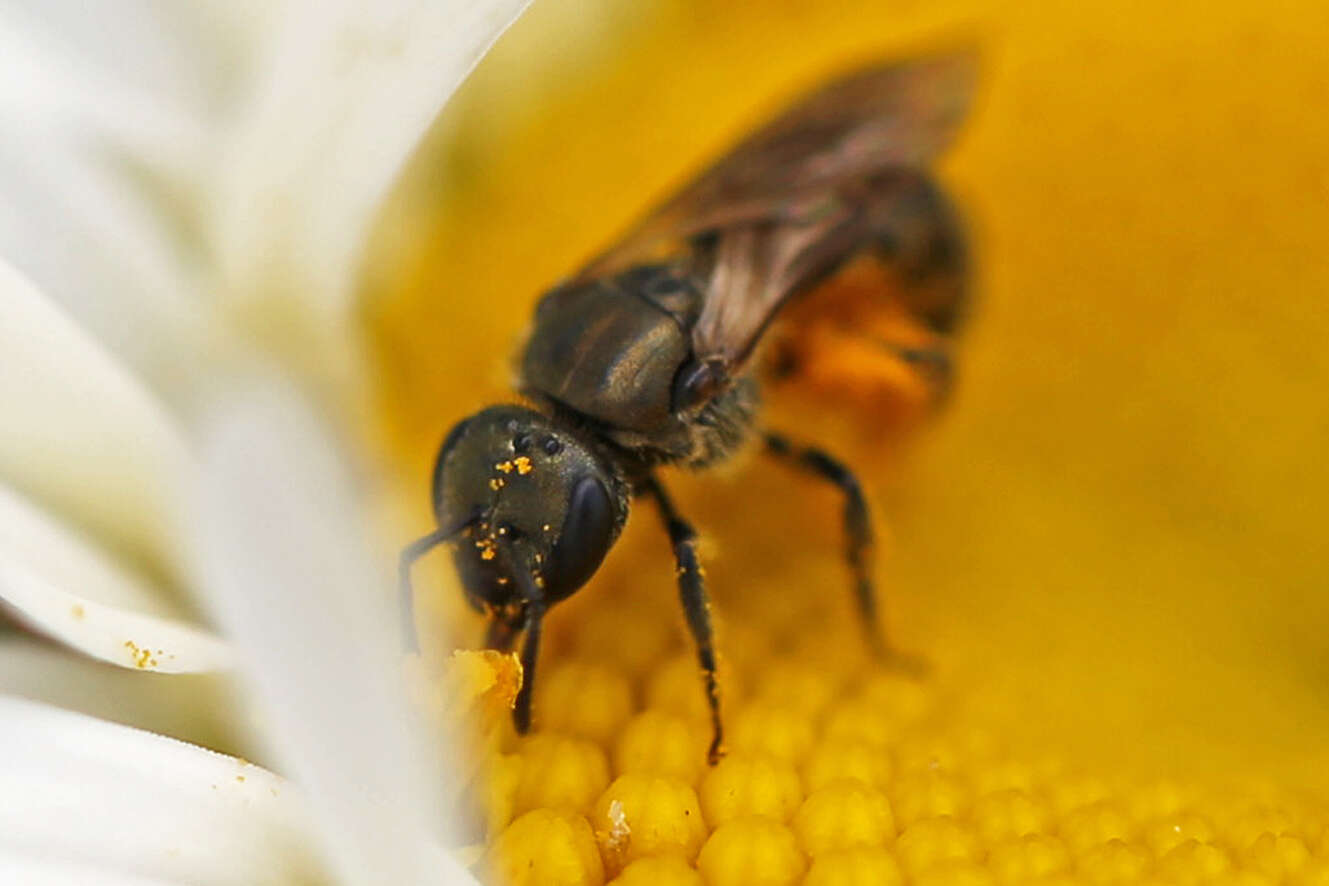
[{"x": 644, "y": 357}]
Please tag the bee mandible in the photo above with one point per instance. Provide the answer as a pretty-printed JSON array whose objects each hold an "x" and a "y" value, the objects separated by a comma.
[{"x": 645, "y": 356}]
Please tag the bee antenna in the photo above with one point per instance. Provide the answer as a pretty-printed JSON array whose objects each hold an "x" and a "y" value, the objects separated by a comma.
[{"x": 414, "y": 551}]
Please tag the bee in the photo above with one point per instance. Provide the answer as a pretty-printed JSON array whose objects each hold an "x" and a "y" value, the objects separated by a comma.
[{"x": 646, "y": 356}]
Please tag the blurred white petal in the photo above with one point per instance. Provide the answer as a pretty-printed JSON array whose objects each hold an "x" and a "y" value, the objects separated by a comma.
[
  {"x": 348, "y": 90},
  {"x": 101, "y": 142},
  {"x": 123, "y": 638},
  {"x": 201, "y": 709},
  {"x": 284, "y": 565},
  {"x": 130, "y": 803},
  {"x": 36, "y": 871},
  {"x": 62, "y": 586},
  {"x": 110, "y": 75},
  {"x": 82, "y": 436},
  {"x": 76, "y": 223},
  {"x": 66, "y": 559}
]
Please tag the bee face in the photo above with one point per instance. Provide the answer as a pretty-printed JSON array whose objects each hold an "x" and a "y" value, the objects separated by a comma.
[{"x": 541, "y": 508}]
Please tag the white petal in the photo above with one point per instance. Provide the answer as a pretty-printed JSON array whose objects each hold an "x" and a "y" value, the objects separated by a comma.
[
  {"x": 83, "y": 792},
  {"x": 107, "y": 124},
  {"x": 94, "y": 172},
  {"x": 63, "y": 587},
  {"x": 65, "y": 558},
  {"x": 80, "y": 225},
  {"x": 35, "y": 871},
  {"x": 113, "y": 75},
  {"x": 202, "y": 709},
  {"x": 60, "y": 584},
  {"x": 284, "y": 564},
  {"x": 81, "y": 435},
  {"x": 349, "y": 90}
]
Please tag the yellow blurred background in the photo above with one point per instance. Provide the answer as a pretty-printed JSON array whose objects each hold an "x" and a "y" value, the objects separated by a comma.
[{"x": 1120, "y": 520}]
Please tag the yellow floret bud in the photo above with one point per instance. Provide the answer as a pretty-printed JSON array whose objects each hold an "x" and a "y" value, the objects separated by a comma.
[
  {"x": 496, "y": 791},
  {"x": 641, "y": 815},
  {"x": 927, "y": 843},
  {"x": 1016, "y": 775},
  {"x": 1114, "y": 862},
  {"x": 1008, "y": 814},
  {"x": 898, "y": 699},
  {"x": 1071, "y": 792},
  {"x": 856, "y": 720},
  {"x": 1244, "y": 828},
  {"x": 659, "y": 870},
  {"x": 1164, "y": 834},
  {"x": 772, "y": 729},
  {"x": 946, "y": 752},
  {"x": 622, "y": 639},
  {"x": 1278, "y": 857},
  {"x": 545, "y": 847},
  {"x": 661, "y": 743},
  {"x": 1314, "y": 874},
  {"x": 745, "y": 784},
  {"x": 1028, "y": 858},
  {"x": 864, "y": 866},
  {"x": 751, "y": 851},
  {"x": 583, "y": 699},
  {"x": 1242, "y": 878},
  {"x": 928, "y": 794},
  {"x": 1161, "y": 800},
  {"x": 677, "y": 687},
  {"x": 955, "y": 872},
  {"x": 1192, "y": 863},
  {"x": 839, "y": 760},
  {"x": 797, "y": 686},
  {"x": 844, "y": 815},
  {"x": 559, "y": 770},
  {"x": 1094, "y": 825}
]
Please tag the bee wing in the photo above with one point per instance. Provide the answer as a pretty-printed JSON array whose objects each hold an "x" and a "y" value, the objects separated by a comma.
[{"x": 791, "y": 199}]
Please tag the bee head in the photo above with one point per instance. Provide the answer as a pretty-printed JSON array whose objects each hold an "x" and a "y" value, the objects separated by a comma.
[{"x": 541, "y": 508}]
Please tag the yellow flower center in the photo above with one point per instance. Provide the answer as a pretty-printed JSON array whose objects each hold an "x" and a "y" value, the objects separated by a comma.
[{"x": 1112, "y": 553}]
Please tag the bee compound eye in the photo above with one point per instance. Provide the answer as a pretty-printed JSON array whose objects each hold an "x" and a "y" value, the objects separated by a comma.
[{"x": 583, "y": 542}]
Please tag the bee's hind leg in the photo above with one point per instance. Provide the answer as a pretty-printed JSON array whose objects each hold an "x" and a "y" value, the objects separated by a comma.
[{"x": 858, "y": 538}]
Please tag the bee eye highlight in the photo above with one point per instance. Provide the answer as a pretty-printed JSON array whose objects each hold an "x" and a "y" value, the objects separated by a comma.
[
  {"x": 585, "y": 537},
  {"x": 521, "y": 443}
]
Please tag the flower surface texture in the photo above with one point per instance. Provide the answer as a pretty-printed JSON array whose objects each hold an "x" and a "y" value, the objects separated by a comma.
[
  {"x": 249, "y": 277},
  {"x": 1108, "y": 545}
]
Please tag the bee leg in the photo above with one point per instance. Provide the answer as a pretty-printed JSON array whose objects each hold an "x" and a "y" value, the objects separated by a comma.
[
  {"x": 530, "y": 652},
  {"x": 921, "y": 233},
  {"x": 414, "y": 551},
  {"x": 858, "y": 533},
  {"x": 696, "y": 605},
  {"x": 935, "y": 363}
]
